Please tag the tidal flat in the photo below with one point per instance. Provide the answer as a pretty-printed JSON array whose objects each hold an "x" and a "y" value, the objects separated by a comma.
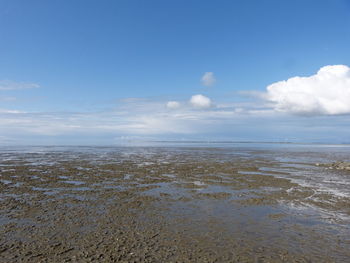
[{"x": 231, "y": 203}]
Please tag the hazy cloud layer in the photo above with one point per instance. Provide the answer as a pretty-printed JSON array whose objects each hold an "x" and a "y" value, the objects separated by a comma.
[
  {"x": 146, "y": 118},
  {"x": 325, "y": 93},
  {"x": 10, "y": 111},
  {"x": 131, "y": 117},
  {"x": 208, "y": 79},
  {"x": 12, "y": 85}
]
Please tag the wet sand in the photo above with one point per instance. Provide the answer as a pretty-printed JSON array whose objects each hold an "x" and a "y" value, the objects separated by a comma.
[{"x": 173, "y": 204}]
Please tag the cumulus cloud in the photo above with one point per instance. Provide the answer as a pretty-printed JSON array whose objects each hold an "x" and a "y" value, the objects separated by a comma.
[
  {"x": 173, "y": 105},
  {"x": 208, "y": 79},
  {"x": 12, "y": 85},
  {"x": 325, "y": 93},
  {"x": 201, "y": 102}
]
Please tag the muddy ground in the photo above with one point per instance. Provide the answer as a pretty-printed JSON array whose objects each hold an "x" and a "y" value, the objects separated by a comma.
[{"x": 165, "y": 205}]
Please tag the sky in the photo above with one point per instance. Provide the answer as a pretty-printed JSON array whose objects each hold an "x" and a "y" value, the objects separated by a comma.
[{"x": 105, "y": 72}]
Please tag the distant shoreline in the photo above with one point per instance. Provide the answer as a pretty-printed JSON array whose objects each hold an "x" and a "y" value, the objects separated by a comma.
[
  {"x": 252, "y": 142},
  {"x": 148, "y": 143}
]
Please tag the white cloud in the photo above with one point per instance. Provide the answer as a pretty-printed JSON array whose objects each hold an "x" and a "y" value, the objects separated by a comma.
[
  {"x": 173, "y": 105},
  {"x": 201, "y": 102},
  {"x": 325, "y": 93},
  {"x": 208, "y": 79},
  {"x": 12, "y": 85}
]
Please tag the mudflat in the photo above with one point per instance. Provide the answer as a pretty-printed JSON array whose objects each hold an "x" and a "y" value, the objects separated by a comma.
[{"x": 173, "y": 204}]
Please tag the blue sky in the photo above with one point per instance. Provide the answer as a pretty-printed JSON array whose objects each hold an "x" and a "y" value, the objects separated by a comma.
[{"x": 98, "y": 72}]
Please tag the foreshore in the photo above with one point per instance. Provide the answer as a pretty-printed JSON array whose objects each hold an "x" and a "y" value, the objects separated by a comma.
[{"x": 169, "y": 205}]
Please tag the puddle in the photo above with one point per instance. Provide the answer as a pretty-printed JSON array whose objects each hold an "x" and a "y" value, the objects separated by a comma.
[
  {"x": 128, "y": 176},
  {"x": 6, "y": 182},
  {"x": 73, "y": 182}
]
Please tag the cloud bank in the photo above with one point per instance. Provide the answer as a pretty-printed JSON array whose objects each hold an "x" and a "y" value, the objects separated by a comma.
[
  {"x": 325, "y": 93},
  {"x": 208, "y": 79},
  {"x": 200, "y": 102},
  {"x": 146, "y": 118}
]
